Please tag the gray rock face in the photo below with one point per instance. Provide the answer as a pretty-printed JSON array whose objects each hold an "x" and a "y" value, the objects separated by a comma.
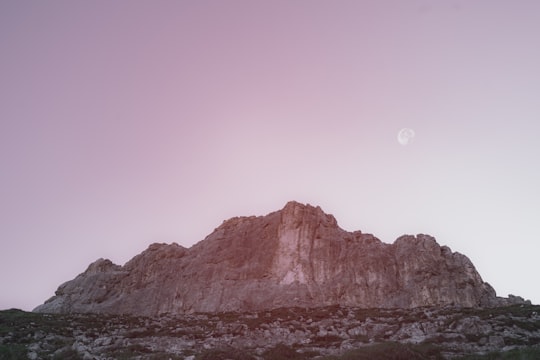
[{"x": 297, "y": 256}]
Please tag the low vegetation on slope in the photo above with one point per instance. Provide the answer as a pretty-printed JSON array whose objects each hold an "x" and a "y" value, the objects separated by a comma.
[{"x": 328, "y": 333}]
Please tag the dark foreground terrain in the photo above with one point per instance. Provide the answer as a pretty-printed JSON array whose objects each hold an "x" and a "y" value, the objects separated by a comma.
[{"x": 289, "y": 333}]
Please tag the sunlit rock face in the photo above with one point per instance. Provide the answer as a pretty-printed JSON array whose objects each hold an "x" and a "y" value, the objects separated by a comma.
[{"x": 297, "y": 256}]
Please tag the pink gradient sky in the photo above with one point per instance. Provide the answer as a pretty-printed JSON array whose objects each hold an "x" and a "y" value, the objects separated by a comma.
[{"x": 130, "y": 122}]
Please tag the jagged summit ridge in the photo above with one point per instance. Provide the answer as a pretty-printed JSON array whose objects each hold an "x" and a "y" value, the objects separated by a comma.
[{"x": 297, "y": 256}]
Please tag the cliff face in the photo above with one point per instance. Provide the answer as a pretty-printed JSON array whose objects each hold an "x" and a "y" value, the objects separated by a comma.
[{"x": 297, "y": 256}]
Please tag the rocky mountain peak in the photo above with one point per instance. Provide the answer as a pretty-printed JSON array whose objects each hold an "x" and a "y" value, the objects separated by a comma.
[
  {"x": 101, "y": 266},
  {"x": 297, "y": 256},
  {"x": 296, "y": 209},
  {"x": 295, "y": 213}
]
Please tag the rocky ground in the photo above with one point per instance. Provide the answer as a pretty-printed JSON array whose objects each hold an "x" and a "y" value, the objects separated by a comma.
[{"x": 287, "y": 333}]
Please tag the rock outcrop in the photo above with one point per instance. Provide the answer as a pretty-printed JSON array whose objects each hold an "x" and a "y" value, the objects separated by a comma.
[{"x": 297, "y": 256}]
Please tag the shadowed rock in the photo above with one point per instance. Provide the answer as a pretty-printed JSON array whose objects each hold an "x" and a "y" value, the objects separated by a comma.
[{"x": 297, "y": 256}]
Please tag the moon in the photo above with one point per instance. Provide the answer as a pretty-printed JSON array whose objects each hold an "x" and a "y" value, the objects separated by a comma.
[{"x": 405, "y": 136}]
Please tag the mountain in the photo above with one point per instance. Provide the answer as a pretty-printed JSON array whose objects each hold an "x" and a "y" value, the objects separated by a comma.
[{"x": 297, "y": 256}]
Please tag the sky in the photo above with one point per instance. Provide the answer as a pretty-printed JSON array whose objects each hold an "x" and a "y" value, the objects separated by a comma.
[{"x": 132, "y": 122}]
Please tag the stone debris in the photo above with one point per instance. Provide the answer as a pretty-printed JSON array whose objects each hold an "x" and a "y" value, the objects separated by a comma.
[{"x": 322, "y": 331}]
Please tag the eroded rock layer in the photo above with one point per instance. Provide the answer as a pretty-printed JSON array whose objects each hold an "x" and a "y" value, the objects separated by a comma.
[{"x": 297, "y": 256}]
